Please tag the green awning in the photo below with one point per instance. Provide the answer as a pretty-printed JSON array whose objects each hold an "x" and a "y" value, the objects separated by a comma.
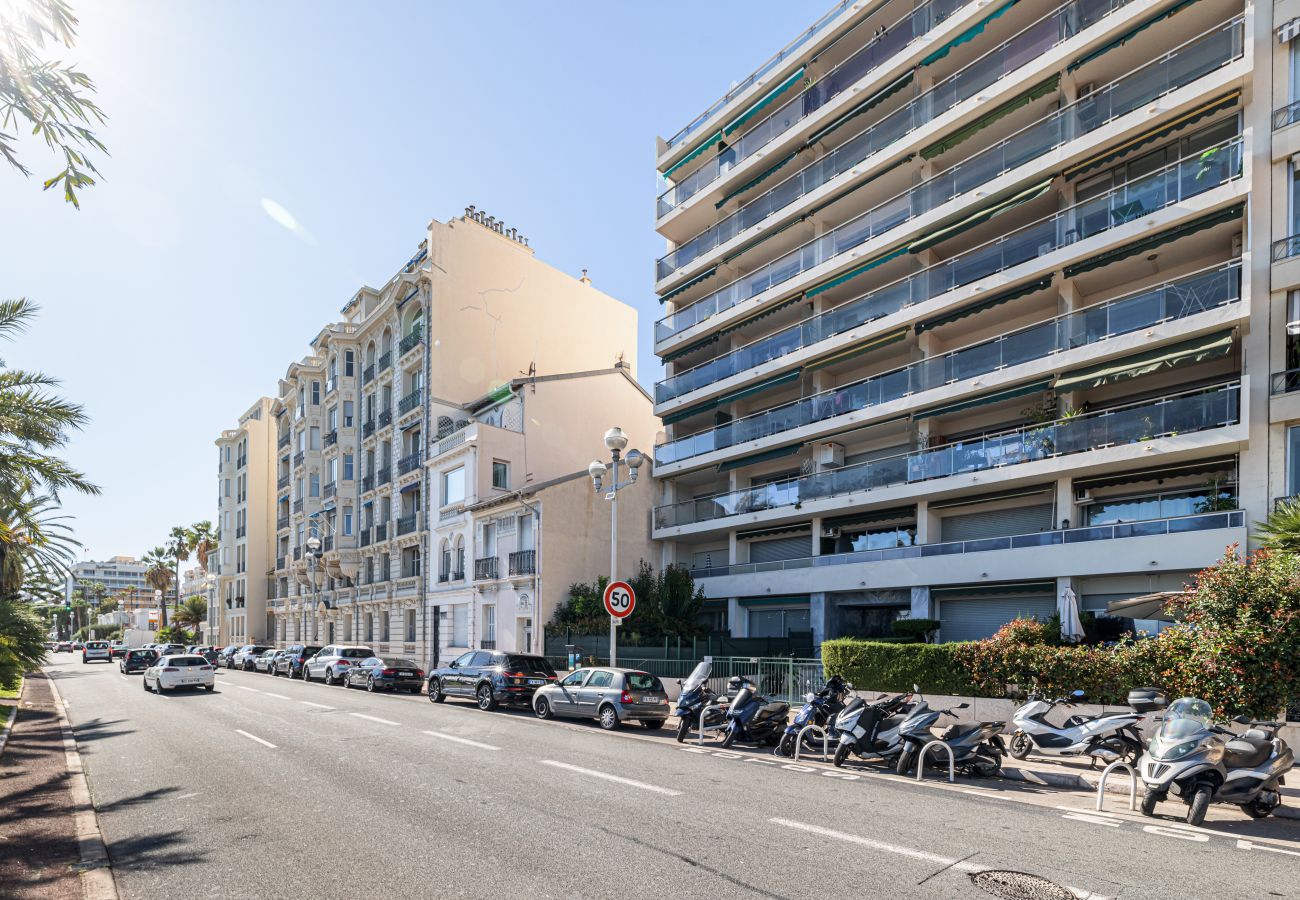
[
  {"x": 778, "y": 453},
  {"x": 1024, "y": 290},
  {"x": 855, "y": 272},
  {"x": 765, "y": 101},
  {"x": 683, "y": 414},
  {"x": 760, "y": 533},
  {"x": 813, "y": 210},
  {"x": 1154, "y": 134},
  {"x": 870, "y": 103},
  {"x": 1128, "y": 35},
  {"x": 707, "y": 145},
  {"x": 858, "y": 349},
  {"x": 1206, "y": 347},
  {"x": 966, "y": 36},
  {"x": 870, "y": 516},
  {"x": 755, "y": 181},
  {"x": 995, "y": 397},
  {"x": 766, "y": 384},
  {"x": 978, "y": 218},
  {"x": 762, "y": 315},
  {"x": 765, "y": 236},
  {"x": 1154, "y": 473},
  {"x": 690, "y": 284},
  {"x": 1151, "y": 242},
  {"x": 1039, "y": 90},
  {"x": 1018, "y": 588},
  {"x": 691, "y": 348},
  {"x": 775, "y": 601}
]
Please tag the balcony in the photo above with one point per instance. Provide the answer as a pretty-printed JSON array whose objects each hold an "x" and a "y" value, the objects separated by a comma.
[
  {"x": 485, "y": 569},
  {"x": 444, "y": 577},
  {"x": 368, "y": 374},
  {"x": 297, "y": 553},
  {"x": 523, "y": 562},
  {"x": 328, "y": 543},
  {"x": 1286, "y": 248},
  {"x": 408, "y": 524},
  {"x": 299, "y": 458},
  {"x": 298, "y": 505},
  {"x": 367, "y": 537},
  {"x": 282, "y": 482},
  {"x": 451, "y": 512},
  {"x": 1177, "y": 414},
  {"x": 280, "y": 562},
  {"x": 1285, "y": 382},
  {"x": 458, "y": 575},
  {"x": 1287, "y": 115},
  {"x": 385, "y": 418},
  {"x": 367, "y": 483},
  {"x": 281, "y": 523},
  {"x": 385, "y": 475},
  {"x": 282, "y": 442},
  {"x": 408, "y": 463},
  {"x": 410, "y": 342},
  {"x": 331, "y": 438},
  {"x": 381, "y": 532},
  {"x": 331, "y": 489},
  {"x": 368, "y": 428},
  {"x": 1177, "y": 68},
  {"x": 408, "y": 403},
  {"x": 385, "y": 361},
  {"x": 331, "y": 386}
]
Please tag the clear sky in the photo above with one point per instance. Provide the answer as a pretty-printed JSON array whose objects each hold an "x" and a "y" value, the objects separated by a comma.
[{"x": 175, "y": 298}]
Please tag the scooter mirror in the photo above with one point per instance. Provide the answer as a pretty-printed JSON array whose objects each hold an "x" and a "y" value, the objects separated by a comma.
[
  {"x": 1241, "y": 720},
  {"x": 916, "y": 689},
  {"x": 961, "y": 706}
]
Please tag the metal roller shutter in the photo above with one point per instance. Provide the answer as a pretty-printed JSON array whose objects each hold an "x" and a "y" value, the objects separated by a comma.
[
  {"x": 980, "y": 617},
  {"x": 1020, "y": 520},
  {"x": 782, "y": 548}
]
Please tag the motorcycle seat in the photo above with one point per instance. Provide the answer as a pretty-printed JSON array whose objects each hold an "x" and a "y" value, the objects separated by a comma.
[
  {"x": 1246, "y": 752},
  {"x": 952, "y": 732}
]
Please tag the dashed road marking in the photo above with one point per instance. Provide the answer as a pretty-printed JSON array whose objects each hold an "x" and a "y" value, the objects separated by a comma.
[
  {"x": 244, "y": 688},
  {"x": 253, "y": 737},
  {"x": 374, "y": 719},
  {"x": 317, "y": 705},
  {"x": 276, "y": 696},
  {"x": 461, "y": 740},
  {"x": 1091, "y": 819},
  {"x": 615, "y": 778}
]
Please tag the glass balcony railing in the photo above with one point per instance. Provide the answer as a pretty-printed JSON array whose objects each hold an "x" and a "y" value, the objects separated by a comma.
[
  {"x": 1286, "y": 382},
  {"x": 1184, "y": 413},
  {"x": 1161, "y": 188},
  {"x": 1212, "y": 521},
  {"x": 1178, "y": 67},
  {"x": 1059, "y": 25},
  {"x": 884, "y": 46}
]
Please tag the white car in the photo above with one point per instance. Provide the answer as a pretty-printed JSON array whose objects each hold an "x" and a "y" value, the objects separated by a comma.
[
  {"x": 96, "y": 650},
  {"x": 182, "y": 670},
  {"x": 332, "y": 662}
]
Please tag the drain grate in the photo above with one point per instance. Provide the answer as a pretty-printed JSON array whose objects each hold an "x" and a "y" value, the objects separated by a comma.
[{"x": 1020, "y": 886}]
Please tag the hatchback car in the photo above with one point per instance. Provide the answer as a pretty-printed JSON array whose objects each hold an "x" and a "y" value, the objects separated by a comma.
[
  {"x": 171, "y": 673},
  {"x": 136, "y": 660},
  {"x": 246, "y": 657},
  {"x": 294, "y": 656},
  {"x": 116, "y": 648},
  {"x": 96, "y": 650},
  {"x": 491, "y": 678},
  {"x": 610, "y": 696},
  {"x": 262, "y": 662},
  {"x": 385, "y": 673},
  {"x": 333, "y": 662}
]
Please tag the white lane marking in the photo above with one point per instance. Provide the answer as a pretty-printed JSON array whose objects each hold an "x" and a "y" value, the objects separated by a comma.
[
  {"x": 243, "y": 688},
  {"x": 317, "y": 705},
  {"x": 461, "y": 740},
  {"x": 276, "y": 696},
  {"x": 253, "y": 737},
  {"x": 922, "y": 855},
  {"x": 123, "y": 677},
  {"x": 1091, "y": 819},
  {"x": 375, "y": 719},
  {"x": 615, "y": 778},
  {"x": 1251, "y": 845},
  {"x": 188, "y": 796},
  {"x": 1176, "y": 833}
]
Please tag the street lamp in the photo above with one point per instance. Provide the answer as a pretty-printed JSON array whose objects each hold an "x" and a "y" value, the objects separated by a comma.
[{"x": 615, "y": 442}]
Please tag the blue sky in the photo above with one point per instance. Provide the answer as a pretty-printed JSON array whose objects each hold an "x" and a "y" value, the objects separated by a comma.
[{"x": 173, "y": 300}]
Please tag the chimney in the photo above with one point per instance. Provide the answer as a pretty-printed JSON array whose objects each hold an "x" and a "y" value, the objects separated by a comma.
[{"x": 584, "y": 279}]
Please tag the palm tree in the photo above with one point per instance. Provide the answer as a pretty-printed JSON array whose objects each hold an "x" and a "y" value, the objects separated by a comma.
[
  {"x": 180, "y": 549},
  {"x": 159, "y": 576},
  {"x": 1281, "y": 530},
  {"x": 36, "y": 544},
  {"x": 203, "y": 541},
  {"x": 192, "y": 613}
]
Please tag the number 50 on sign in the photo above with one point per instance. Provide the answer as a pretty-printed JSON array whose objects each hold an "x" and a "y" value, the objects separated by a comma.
[{"x": 620, "y": 599}]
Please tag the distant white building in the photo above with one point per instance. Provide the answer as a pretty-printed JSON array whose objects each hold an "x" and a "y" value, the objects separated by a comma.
[{"x": 115, "y": 574}]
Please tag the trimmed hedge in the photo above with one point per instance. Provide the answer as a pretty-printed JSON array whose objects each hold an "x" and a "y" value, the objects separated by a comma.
[{"x": 878, "y": 666}]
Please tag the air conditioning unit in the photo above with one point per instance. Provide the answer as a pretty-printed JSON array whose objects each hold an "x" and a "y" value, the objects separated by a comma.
[
  {"x": 1236, "y": 245},
  {"x": 1082, "y": 495},
  {"x": 831, "y": 531},
  {"x": 1086, "y": 89},
  {"x": 829, "y": 455}
]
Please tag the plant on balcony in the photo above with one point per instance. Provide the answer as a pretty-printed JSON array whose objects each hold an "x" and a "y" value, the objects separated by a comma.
[{"x": 1281, "y": 530}]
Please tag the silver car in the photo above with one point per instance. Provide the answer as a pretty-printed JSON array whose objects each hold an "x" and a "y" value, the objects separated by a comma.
[
  {"x": 332, "y": 662},
  {"x": 610, "y": 696}
]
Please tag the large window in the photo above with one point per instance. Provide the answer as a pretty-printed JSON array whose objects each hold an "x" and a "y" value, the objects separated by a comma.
[
  {"x": 1293, "y": 460},
  {"x": 779, "y": 622},
  {"x": 490, "y": 624},
  {"x": 500, "y": 475},
  {"x": 1212, "y": 497},
  {"x": 460, "y": 625},
  {"x": 453, "y": 486},
  {"x": 348, "y": 467},
  {"x": 410, "y": 626}
]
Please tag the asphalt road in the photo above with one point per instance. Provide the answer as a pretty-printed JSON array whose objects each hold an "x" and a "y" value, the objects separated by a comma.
[{"x": 272, "y": 788}]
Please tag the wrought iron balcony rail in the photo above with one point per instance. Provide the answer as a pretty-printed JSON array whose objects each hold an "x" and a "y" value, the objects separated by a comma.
[
  {"x": 485, "y": 569},
  {"x": 523, "y": 562}
]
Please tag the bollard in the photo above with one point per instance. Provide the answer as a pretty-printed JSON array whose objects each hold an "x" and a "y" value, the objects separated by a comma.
[
  {"x": 920, "y": 760},
  {"x": 1132, "y": 783},
  {"x": 798, "y": 742}
]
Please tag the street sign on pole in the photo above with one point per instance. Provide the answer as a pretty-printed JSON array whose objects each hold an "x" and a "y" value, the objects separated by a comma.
[{"x": 620, "y": 599}]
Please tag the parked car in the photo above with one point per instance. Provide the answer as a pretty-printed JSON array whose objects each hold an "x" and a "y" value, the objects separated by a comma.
[
  {"x": 96, "y": 650},
  {"x": 223, "y": 658},
  {"x": 181, "y": 670},
  {"x": 170, "y": 649},
  {"x": 262, "y": 662},
  {"x": 611, "y": 696},
  {"x": 491, "y": 678},
  {"x": 136, "y": 660},
  {"x": 208, "y": 653},
  {"x": 64, "y": 647},
  {"x": 385, "y": 673},
  {"x": 246, "y": 657},
  {"x": 294, "y": 656},
  {"x": 333, "y": 662},
  {"x": 116, "y": 648}
]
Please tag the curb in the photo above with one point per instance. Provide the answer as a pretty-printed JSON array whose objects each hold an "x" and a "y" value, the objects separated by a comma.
[
  {"x": 7, "y": 727},
  {"x": 97, "y": 881}
]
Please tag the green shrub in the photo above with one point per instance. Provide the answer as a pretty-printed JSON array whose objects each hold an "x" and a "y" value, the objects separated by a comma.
[
  {"x": 918, "y": 630},
  {"x": 879, "y": 666}
]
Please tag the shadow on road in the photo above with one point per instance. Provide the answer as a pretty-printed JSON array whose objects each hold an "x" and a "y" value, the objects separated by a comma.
[
  {"x": 151, "y": 851},
  {"x": 99, "y": 729}
]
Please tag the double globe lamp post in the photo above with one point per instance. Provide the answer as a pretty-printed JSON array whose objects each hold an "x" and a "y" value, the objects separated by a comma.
[{"x": 615, "y": 442}]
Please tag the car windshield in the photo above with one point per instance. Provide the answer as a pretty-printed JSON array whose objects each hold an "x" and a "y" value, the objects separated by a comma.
[
  {"x": 698, "y": 676},
  {"x": 354, "y": 653},
  {"x": 535, "y": 664},
  {"x": 96, "y": 645},
  {"x": 394, "y": 662},
  {"x": 641, "y": 681}
]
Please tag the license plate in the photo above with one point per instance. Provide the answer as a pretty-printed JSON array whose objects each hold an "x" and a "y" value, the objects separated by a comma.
[
  {"x": 535, "y": 681},
  {"x": 649, "y": 699},
  {"x": 405, "y": 673},
  {"x": 189, "y": 681}
]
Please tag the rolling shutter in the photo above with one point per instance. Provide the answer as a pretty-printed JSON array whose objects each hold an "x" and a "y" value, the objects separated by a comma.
[
  {"x": 1019, "y": 520},
  {"x": 979, "y": 617},
  {"x": 779, "y": 549}
]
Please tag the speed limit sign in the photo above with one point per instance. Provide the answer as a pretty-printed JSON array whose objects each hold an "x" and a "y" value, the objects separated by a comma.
[{"x": 620, "y": 599}]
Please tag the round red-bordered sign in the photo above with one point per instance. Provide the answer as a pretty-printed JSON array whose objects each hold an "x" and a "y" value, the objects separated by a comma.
[{"x": 620, "y": 599}]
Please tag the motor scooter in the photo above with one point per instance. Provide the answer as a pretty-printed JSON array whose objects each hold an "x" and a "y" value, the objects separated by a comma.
[
  {"x": 751, "y": 717},
  {"x": 1106, "y": 737},
  {"x": 697, "y": 697},
  {"x": 870, "y": 730},
  {"x": 977, "y": 747},
  {"x": 820, "y": 709}
]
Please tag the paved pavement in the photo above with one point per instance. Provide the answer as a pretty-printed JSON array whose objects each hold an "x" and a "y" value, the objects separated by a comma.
[{"x": 275, "y": 788}]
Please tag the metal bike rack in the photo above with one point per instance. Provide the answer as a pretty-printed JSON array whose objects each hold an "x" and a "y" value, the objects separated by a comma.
[
  {"x": 704, "y": 709},
  {"x": 798, "y": 744},
  {"x": 925, "y": 751},
  {"x": 1132, "y": 783}
]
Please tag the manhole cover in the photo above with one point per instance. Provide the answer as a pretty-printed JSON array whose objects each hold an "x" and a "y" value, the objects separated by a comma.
[{"x": 1020, "y": 886}]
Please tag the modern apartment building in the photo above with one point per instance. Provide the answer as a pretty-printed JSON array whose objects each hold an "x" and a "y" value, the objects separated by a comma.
[
  {"x": 115, "y": 574},
  {"x": 969, "y": 305},
  {"x": 472, "y": 310},
  {"x": 246, "y": 527}
]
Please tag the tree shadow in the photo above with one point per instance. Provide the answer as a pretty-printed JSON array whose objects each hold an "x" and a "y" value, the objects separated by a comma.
[
  {"x": 37, "y": 800},
  {"x": 150, "y": 851},
  {"x": 148, "y": 796},
  {"x": 99, "y": 729}
]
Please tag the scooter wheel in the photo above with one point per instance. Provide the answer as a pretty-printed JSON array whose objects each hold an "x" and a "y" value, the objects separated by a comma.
[
  {"x": 1257, "y": 809},
  {"x": 904, "y": 761},
  {"x": 1200, "y": 804},
  {"x": 683, "y": 729},
  {"x": 1149, "y": 801},
  {"x": 1019, "y": 745},
  {"x": 841, "y": 754},
  {"x": 729, "y": 737},
  {"x": 786, "y": 747}
]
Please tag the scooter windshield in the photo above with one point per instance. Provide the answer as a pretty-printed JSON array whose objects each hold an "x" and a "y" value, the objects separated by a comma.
[
  {"x": 698, "y": 676},
  {"x": 1185, "y": 718}
]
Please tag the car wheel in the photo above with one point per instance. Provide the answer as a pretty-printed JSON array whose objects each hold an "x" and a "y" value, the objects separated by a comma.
[
  {"x": 144, "y": 683},
  {"x": 652, "y": 724},
  {"x": 370, "y": 684},
  {"x": 486, "y": 701},
  {"x": 608, "y": 718},
  {"x": 329, "y": 677},
  {"x": 542, "y": 707},
  {"x": 210, "y": 687},
  {"x": 306, "y": 676},
  {"x": 435, "y": 691},
  {"x": 1199, "y": 806}
]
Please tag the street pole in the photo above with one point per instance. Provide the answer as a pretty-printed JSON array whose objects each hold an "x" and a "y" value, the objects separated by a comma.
[
  {"x": 615, "y": 442},
  {"x": 613, "y": 555}
]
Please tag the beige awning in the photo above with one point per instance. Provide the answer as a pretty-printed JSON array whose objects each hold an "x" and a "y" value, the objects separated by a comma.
[{"x": 1162, "y": 605}]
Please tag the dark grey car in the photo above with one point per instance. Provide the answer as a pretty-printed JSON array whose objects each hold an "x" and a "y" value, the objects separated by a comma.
[{"x": 608, "y": 695}]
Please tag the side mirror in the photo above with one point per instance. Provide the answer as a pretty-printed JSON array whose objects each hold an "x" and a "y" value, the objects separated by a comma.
[
  {"x": 915, "y": 689},
  {"x": 1241, "y": 720}
]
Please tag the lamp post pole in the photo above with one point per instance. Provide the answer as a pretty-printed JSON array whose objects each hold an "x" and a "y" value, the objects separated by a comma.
[{"x": 615, "y": 442}]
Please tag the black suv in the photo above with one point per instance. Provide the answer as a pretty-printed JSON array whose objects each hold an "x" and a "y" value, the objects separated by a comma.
[
  {"x": 290, "y": 661},
  {"x": 491, "y": 678}
]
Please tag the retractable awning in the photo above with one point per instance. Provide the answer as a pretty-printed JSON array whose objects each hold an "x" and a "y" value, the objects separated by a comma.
[
  {"x": 1200, "y": 349},
  {"x": 691, "y": 348},
  {"x": 858, "y": 349},
  {"x": 1154, "y": 134},
  {"x": 1128, "y": 35},
  {"x": 682, "y": 288},
  {"x": 994, "y": 590},
  {"x": 1150, "y": 243},
  {"x": 978, "y": 218},
  {"x": 1152, "y": 473},
  {"x": 1024, "y": 290},
  {"x": 758, "y": 533},
  {"x": 855, "y": 272},
  {"x": 707, "y": 145},
  {"x": 870, "y": 517},
  {"x": 762, "y": 315},
  {"x": 683, "y": 414},
  {"x": 952, "y": 140},
  {"x": 766, "y": 384},
  {"x": 966, "y": 36},
  {"x": 755, "y": 181},
  {"x": 773, "y": 601},
  {"x": 994, "y": 397},
  {"x": 870, "y": 103},
  {"x": 1162, "y": 606},
  {"x": 764, "y": 102},
  {"x": 778, "y": 453}
]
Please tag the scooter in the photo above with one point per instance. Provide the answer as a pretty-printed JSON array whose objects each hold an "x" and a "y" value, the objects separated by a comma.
[
  {"x": 819, "y": 709},
  {"x": 870, "y": 730},
  {"x": 752, "y": 718},
  {"x": 977, "y": 747},
  {"x": 697, "y": 697},
  {"x": 1203, "y": 763},
  {"x": 1106, "y": 737}
]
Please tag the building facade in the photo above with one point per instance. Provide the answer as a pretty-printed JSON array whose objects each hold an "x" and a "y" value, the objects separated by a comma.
[
  {"x": 120, "y": 573},
  {"x": 970, "y": 309}
]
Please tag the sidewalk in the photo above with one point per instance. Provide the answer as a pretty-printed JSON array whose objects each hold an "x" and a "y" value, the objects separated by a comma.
[{"x": 39, "y": 851}]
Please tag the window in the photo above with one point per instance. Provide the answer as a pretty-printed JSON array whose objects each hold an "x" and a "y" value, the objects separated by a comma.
[
  {"x": 489, "y": 540},
  {"x": 314, "y": 483},
  {"x": 1293, "y": 459},
  {"x": 383, "y": 625},
  {"x": 500, "y": 475},
  {"x": 348, "y": 467},
  {"x": 601, "y": 679},
  {"x": 302, "y": 440},
  {"x": 460, "y": 625},
  {"x": 347, "y": 520},
  {"x": 315, "y": 393},
  {"x": 227, "y": 487},
  {"x": 526, "y": 532},
  {"x": 348, "y": 409},
  {"x": 298, "y": 494},
  {"x": 444, "y": 568},
  {"x": 349, "y": 363},
  {"x": 576, "y": 679},
  {"x": 490, "y": 623},
  {"x": 410, "y": 626},
  {"x": 315, "y": 438},
  {"x": 640, "y": 681},
  {"x": 778, "y": 622},
  {"x": 453, "y": 486},
  {"x": 332, "y": 417}
]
